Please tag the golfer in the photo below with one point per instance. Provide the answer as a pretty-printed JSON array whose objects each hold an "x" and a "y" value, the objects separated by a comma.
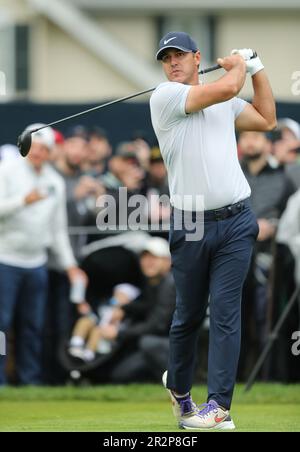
[{"x": 195, "y": 126}]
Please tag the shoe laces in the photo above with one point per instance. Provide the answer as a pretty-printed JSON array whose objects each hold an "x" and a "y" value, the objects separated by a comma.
[
  {"x": 208, "y": 408},
  {"x": 187, "y": 406}
]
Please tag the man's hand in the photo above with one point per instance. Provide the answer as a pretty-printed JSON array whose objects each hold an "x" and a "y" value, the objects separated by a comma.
[
  {"x": 75, "y": 273},
  {"x": 143, "y": 152},
  {"x": 33, "y": 197},
  {"x": 232, "y": 61},
  {"x": 253, "y": 62}
]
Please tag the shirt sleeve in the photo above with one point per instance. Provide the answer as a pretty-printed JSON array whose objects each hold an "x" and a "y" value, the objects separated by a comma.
[
  {"x": 168, "y": 104},
  {"x": 9, "y": 205},
  {"x": 60, "y": 243},
  {"x": 238, "y": 106}
]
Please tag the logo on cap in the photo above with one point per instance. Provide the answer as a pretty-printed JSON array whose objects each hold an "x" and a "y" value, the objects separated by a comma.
[{"x": 168, "y": 40}]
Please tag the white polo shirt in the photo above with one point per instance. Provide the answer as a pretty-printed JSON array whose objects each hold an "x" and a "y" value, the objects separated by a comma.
[{"x": 199, "y": 149}]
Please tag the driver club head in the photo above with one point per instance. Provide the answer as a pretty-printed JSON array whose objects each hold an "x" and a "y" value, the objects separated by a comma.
[{"x": 24, "y": 143}]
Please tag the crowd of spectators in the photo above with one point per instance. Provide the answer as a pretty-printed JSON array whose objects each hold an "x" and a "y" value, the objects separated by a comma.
[{"x": 49, "y": 208}]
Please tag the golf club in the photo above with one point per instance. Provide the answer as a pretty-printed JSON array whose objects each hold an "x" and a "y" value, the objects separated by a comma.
[{"x": 24, "y": 140}]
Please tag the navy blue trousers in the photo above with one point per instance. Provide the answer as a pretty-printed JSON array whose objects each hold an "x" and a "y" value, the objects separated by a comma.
[
  {"x": 23, "y": 297},
  {"x": 214, "y": 267}
]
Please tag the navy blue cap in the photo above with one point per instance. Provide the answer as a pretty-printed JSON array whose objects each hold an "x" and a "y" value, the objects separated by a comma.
[
  {"x": 176, "y": 40},
  {"x": 77, "y": 131}
]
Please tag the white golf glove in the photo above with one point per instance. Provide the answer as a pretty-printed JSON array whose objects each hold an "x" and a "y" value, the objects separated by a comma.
[{"x": 253, "y": 62}]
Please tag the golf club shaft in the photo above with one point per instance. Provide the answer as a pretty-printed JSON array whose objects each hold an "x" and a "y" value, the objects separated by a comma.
[{"x": 122, "y": 99}]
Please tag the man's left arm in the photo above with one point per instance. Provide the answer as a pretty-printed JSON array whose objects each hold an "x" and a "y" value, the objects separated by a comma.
[{"x": 260, "y": 115}]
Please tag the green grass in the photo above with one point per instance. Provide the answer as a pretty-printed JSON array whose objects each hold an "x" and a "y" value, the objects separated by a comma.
[{"x": 134, "y": 408}]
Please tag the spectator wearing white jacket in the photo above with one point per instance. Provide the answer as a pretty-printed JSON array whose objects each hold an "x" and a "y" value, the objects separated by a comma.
[{"x": 32, "y": 220}]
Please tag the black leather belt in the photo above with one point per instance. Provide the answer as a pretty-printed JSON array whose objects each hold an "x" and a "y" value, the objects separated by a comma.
[
  {"x": 216, "y": 214},
  {"x": 225, "y": 212}
]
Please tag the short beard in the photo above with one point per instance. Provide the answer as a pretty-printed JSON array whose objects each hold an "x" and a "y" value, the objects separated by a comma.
[
  {"x": 254, "y": 157},
  {"x": 73, "y": 167}
]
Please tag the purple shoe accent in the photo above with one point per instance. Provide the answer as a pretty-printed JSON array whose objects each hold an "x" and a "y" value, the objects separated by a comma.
[
  {"x": 186, "y": 405},
  {"x": 208, "y": 407}
]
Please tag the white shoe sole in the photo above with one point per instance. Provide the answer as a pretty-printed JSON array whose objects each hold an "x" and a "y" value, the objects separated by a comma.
[{"x": 225, "y": 425}]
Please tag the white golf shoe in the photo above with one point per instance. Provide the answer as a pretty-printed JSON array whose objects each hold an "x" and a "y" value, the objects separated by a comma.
[{"x": 211, "y": 417}]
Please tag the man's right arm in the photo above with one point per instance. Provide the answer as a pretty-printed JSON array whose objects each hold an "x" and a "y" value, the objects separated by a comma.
[
  {"x": 227, "y": 87},
  {"x": 11, "y": 204}
]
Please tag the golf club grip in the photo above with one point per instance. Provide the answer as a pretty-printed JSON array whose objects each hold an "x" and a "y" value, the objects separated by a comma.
[
  {"x": 210, "y": 69},
  {"x": 217, "y": 66}
]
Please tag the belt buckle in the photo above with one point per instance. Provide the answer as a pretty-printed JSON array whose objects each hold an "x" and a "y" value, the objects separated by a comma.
[
  {"x": 240, "y": 206},
  {"x": 230, "y": 211},
  {"x": 218, "y": 214}
]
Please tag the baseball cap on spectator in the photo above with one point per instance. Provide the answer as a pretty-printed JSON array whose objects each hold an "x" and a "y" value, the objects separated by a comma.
[
  {"x": 45, "y": 136},
  {"x": 59, "y": 138},
  {"x": 176, "y": 40},
  {"x": 77, "y": 132},
  {"x": 97, "y": 132},
  {"x": 126, "y": 150},
  {"x": 155, "y": 155},
  {"x": 291, "y": 124},
  {"x": 157, "y": 246}
]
